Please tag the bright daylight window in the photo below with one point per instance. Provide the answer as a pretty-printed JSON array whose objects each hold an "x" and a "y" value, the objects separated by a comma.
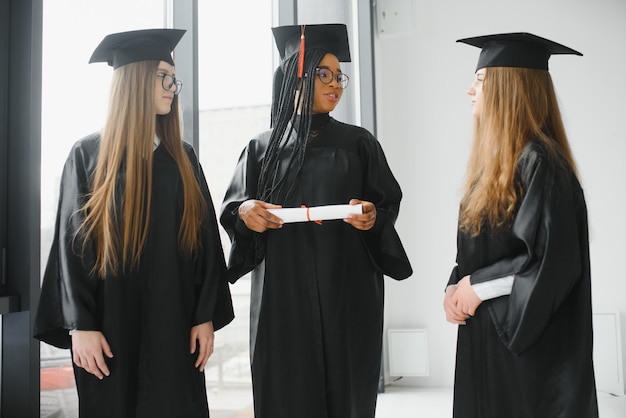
[
  {"x": 235, "y": 94},
  {"x": 235, "y": 74}
]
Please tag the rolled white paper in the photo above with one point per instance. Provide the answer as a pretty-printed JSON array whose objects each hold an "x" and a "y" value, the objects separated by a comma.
[{"x": 316, "y": 213}]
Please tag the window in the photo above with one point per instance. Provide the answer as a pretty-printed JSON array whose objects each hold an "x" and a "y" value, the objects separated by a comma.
[
  {"x": 235, "y": 93},
  {"x": 74, "y": 102},
  {"x": 236, "y": 60}
]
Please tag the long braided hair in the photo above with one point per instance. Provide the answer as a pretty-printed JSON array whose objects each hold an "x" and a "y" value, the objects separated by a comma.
[{"x": 290, "y": 93}]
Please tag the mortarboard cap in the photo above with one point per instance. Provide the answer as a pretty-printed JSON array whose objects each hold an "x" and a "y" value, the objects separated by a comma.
[
  {"x": 332, "y": 38},
  {"x": 521, "y": 50},
  {"x": 123, "y": 48}
]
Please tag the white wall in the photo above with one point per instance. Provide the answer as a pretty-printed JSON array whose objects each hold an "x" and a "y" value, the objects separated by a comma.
[{"x": 424, "y": 123}]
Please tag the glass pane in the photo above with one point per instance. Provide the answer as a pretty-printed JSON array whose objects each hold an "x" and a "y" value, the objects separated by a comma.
[
  {"x": 74, "y": 101},
  {"x": 235, "y": 92}
]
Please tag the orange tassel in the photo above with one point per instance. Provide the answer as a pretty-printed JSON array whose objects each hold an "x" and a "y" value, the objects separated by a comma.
[{"x": 301, "y": 57}]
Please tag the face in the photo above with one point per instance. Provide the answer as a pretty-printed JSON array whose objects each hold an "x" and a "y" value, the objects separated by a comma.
[
  {"x": 163, "y": 98},
  {"x": 327, "y": 96},
  {"x": 476, "y": 91}
]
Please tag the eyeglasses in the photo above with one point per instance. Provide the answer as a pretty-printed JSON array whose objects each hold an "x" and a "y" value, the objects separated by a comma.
[
  {"x": 326, "y": 76},
  {"x": 167, "y": 81}
]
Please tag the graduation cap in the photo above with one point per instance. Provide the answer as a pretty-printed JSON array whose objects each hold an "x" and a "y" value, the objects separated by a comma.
[
  {"x": 521, "y": 50},
  {"x": 124, "y": 48},
  {"x": 294, "y": 39}
]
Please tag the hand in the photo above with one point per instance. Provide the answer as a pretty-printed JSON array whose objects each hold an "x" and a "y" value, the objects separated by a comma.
[
  {"x": 366, "y": 220},
  {"x": 465, "y": 299},
  {"x": 255, "y": 214},
  {"x": 450, "y": 308},
  {"x": 87, "y": 350},
  {"x": 202, "y": 337}
]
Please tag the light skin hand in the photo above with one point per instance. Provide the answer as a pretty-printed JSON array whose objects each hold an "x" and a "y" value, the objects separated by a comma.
[
  {"x": 202, "y": 338},
  {"x": 449, "y": 307},
  {"x": 465, "y": 299},
  {"x": 89, "y": 349},
  {"x": 255, "y": 214},
  {"x": 364, "y": 221}
]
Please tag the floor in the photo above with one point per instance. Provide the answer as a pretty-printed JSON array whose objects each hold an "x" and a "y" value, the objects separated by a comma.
[
  {"x": 396, "y": 402},
  {"x": 404, "y": 402}
]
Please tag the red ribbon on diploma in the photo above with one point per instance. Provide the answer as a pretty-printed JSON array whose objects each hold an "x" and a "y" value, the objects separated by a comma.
[{"x": 308, "y": 217}]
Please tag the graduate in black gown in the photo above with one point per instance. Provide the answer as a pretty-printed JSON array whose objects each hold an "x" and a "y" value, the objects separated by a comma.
[
  {"x": 521, "y": 289},
  {"x": 317, "y": 288},
  {"x": 136, "y": 280}
]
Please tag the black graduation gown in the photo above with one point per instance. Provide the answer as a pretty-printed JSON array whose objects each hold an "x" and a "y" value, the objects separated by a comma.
[
  {"x": 529, "y": 354},
  {"x": 147, "y": 314},
  {"x": 317, "y": 290}
]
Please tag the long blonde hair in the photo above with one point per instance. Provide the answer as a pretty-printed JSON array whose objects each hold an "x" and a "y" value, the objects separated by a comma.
[
  {"x": 117, "y": 212},
  {"x": 519, "y": 105}
]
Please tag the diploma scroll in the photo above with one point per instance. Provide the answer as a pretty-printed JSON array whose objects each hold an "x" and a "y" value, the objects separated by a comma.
[{"x": 316, "y": 213}]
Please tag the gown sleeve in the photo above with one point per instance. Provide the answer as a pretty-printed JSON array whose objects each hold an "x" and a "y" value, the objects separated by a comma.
[
  {"x": 552, "y": 225},
  {"x": 68, "y": 292},
  {"x": 213, "y": 298},
  {"x": 246, "y": 249},
  {"x": 382, "y": 189}
]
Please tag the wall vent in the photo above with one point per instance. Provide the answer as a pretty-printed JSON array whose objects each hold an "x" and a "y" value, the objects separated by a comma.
[
  {"x": 607, "y": 351},
  {"x": 408, "y": 352}
]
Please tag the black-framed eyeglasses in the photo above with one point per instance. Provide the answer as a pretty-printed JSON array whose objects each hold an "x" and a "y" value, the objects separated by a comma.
[
  {"x": 167, "y": 81},
  {"x": 326, "y": 76}
]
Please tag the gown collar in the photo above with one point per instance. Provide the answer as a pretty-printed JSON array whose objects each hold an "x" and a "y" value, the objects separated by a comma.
[{"x": 318, "y": 121}]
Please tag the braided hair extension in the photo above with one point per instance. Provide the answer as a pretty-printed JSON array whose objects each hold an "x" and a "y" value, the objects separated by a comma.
[{"x": 284, "y": 122}]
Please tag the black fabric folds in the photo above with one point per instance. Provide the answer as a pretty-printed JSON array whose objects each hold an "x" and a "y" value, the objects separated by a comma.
[
  {"x": 146, "y": 314},
  {"x": 317, "y": 290},
  {"x": 529, "y": 354}
]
